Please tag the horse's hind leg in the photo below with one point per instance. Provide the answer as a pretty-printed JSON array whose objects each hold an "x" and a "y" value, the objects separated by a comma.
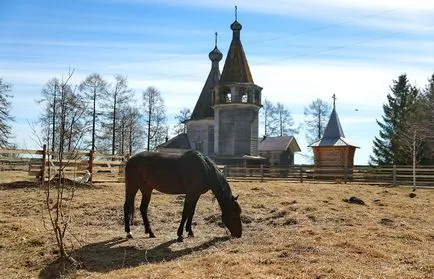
[
  {"x": 187, "y": 214},
  {"x": 146, "y": 198},
  {"x": 129, "y": 209}
]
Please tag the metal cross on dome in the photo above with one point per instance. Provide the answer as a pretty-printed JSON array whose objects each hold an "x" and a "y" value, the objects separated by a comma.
[{"x": 334, "y": 100}]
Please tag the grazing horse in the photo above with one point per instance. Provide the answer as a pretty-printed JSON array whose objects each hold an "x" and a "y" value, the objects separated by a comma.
[{"x": 189, "y": 173}]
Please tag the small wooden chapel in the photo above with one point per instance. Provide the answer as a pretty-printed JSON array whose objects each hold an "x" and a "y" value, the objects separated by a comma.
[{"x": 333, "y": 153}]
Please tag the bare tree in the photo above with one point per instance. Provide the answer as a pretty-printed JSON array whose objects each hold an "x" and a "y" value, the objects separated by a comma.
[
  {"x": 183, "y": 115},
  {"x": 94, "y": 88},
  {"x": 5, "y": 116},
  {"x": 155, "y": 117},
  {"x": 57, "y": 95},
  {"x": 59, "y": 198},
  {"x": 428, "y": 119},
  {"x": 118, "y": 96},
  {"x": 316, "y": 117},
  {"x": 284, "y": 121},
  {"x": 269, "y": 118},
  {"x": 413, "y": 137},
  {"x": 128, "y": 125}
]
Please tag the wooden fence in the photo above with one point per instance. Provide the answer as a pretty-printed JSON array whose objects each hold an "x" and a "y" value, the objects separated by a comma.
[
  {"x": 44, "y": 165},
  {"x": 391, "y": 175},
  {"x": 110, "y": 168}
]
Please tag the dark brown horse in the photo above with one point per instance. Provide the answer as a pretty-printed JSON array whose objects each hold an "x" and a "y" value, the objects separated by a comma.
[{"x": 189, "y": 173}]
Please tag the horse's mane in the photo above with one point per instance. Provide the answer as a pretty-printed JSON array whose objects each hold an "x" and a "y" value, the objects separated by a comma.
[{"x": 215, "y": 178}]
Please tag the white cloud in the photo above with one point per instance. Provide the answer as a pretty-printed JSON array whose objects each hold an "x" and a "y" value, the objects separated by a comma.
[
  {"x": 417, "y": 13},
  {"x": 355, "y": 84}
]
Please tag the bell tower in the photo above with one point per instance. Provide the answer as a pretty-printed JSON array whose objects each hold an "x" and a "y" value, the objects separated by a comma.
[{"x": 236, "y": 101}]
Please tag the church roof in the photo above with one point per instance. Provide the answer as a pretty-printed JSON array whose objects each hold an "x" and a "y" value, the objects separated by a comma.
[
  {"x": 236, "y": 68},
  {"x": 178, "y": 142},
  {"x": 333, "y": 134},
  {"x": 334, "y": 128},
  {"x": 203, "y": 107},
  {"x": 279, "y": 144}
]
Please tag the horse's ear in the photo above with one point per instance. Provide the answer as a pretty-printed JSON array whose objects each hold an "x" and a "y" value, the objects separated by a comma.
[{"x": 235, "y": 198}]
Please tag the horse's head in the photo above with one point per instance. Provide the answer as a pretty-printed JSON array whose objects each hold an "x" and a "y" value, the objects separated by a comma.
[{"x": 231, "y": 217}]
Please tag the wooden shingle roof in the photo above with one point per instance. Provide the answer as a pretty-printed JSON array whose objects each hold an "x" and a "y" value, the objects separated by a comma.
[
  {"x": 279, "y": 144},
  {"x": 236, "y": 68},
  {"x": 333, "y": 134},
  {"x": 203, "y": 107}
]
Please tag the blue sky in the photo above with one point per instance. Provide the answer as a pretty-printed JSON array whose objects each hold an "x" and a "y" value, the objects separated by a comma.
[{"x": 298, "y": 50}]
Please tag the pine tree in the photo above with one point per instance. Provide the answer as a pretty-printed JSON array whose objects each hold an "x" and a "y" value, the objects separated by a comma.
[
  {"x": 397, "y": 112},
  {"x": 5, "y": 117}
]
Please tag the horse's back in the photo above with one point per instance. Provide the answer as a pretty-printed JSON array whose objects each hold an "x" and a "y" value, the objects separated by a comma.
[{"x": 170, "y": 173}]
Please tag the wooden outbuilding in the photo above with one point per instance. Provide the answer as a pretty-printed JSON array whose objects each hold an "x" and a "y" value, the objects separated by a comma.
[
  {"x": 279, "y": 150},
  {"x": 333, "y": 153}
]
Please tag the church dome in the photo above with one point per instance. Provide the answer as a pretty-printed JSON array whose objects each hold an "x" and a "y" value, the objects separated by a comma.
[
  {"x": 215, "y": 55},
  {"x": 236, "y": 26}
]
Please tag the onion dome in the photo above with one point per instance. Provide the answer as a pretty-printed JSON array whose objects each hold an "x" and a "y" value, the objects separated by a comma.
[
  {"x": 236, "y": 26},
  {"x": 215, "y": 55}
]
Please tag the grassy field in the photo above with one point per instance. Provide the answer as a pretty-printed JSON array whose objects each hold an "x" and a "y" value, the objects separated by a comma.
[{"x": 290, "y": 230}]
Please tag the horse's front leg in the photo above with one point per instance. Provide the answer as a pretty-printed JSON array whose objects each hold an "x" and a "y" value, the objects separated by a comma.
[
  {"x": 187, "y": 215},
  {"x": 188, "y": 228},
  {"x": 146, "y": 198}
]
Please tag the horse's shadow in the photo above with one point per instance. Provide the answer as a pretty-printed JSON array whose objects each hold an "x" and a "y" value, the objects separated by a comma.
[{"x": 107, "y": 255}]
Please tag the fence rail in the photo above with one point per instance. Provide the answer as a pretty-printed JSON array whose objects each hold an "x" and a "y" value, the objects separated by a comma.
[
  {"x": 43, "y": 164},
  {"x": 394, "y": 175}
]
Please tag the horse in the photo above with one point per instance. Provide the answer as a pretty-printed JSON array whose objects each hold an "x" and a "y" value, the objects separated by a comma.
[{"x": 190, "y": 173}]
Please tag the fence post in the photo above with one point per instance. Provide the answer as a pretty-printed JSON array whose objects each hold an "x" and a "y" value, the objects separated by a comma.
[
  {"x": 90, "y": 165},
  {"x": 301, "y": 174},
  {"x": 394, "y": 175},
  {"x": 262, "y": 173},
  {"x": 44, "y": 161},
  {"x": 345, "y": 174}
]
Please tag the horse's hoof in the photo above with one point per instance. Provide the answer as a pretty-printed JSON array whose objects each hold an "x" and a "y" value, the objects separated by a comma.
[
  {"x": 129, "y": 235},
  {"x": 190, "y": 234},
  {"x": 180, "y": 239},
  {"x": 151, "y": 235}
]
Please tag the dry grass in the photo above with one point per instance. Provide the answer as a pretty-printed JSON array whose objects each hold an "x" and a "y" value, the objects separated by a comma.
[{"x": 290, "y": 231}]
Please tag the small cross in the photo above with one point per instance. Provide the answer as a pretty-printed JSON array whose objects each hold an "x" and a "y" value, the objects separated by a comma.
[
  {"x": 236, "y": 13},
  {"x": 334, "y": 100}
]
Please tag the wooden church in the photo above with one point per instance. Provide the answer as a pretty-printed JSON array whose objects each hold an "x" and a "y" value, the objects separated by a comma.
[
  {"x": 225, "y": 121},
  {"x": 333, "y": 153}
]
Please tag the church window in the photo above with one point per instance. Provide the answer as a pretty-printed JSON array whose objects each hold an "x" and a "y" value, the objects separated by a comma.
[
  {"x": 228, "y": 98},
  {"x": 243, "y": 95},
  {"x": 244, "y": 98}
]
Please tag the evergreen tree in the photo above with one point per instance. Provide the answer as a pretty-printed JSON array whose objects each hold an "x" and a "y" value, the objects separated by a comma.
[
  {"x": 5, "y": 117},
  {"x": 398, "y": 111}
]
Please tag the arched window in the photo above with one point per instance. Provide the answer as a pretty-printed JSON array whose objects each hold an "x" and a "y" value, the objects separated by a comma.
[
  {"x": 228, "y": 97},
  {"x": 225, "y": 95},
  {"x": 243, "y": 95}
]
